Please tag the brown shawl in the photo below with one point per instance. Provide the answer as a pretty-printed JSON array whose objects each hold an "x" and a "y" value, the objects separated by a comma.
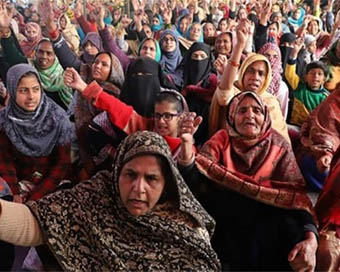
[
  {"x": 263, "y": 169},
  {"x": 89, "y": 229},
  {"x": 320, "y": 134}
]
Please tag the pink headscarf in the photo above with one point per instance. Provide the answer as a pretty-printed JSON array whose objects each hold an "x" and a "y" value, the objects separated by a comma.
[
  {"x": 28, "y": 45},
  {"x": 276, "y": 65}
]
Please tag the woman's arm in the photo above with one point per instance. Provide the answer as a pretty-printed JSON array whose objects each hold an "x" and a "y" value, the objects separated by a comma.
[
  {"x": 65, "y": 55},
  {"x": 120, "y": 114},
  {"x": 18, "y": 226}
]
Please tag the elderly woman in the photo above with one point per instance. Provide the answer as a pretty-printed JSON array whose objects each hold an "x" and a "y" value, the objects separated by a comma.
[
  {"x": 254, "y": 75},
  {"x": 140, "y": 217},
  {"x": 246, "y": 176}
]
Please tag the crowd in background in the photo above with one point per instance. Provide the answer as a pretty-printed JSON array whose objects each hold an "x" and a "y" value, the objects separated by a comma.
[{"x": 245, "y": 93}]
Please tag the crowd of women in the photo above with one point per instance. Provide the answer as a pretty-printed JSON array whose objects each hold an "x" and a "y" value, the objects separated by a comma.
[{"x": 184, "y": 136}]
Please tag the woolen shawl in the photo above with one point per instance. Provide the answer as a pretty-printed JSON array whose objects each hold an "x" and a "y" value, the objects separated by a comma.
[
  {"x": 170, "y": 60},
  {"x": 34, "y": 133},
  {"x": 276, "y": 65},
  {"x": 263, "y": 168},
  {"x": 28, "y": 46},
  {"x": 89, "y": 229},
  {"x": 52, "y": 80}
]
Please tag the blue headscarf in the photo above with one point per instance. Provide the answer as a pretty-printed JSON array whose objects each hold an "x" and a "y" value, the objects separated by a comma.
[
  {"x": 158, "y": 27},
  {"x": 158, "y": 49},
  {"x": 170, "y": 60},
  {"x": 297, "y": 22},
  {"x": 187, "y": 34}
]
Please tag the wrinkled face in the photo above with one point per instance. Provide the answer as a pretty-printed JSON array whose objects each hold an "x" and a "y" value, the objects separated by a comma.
[
  {"x": 223, "y": 26},
  {"x": 62, "y": 22},
  {"x": 273, "y": 30},
  {"x": 166, "y": 119},
  {"x": 315, "y": 78},
  {"x": 147, "y": 31},
  {"x": 141, "y": 183},
  {"x": 313, "y": 27},
  {"x": 44, "y": 55},
  {"x": 90, "y": 48},
  {"x": 249, "y": 118},
  {"x": 101, "y": 67},
  {"x": 312, "y": 47},
  {"x": 183, "y": 26},
  {"x": 255, "y": 76},
  {"x": 195, "y": 32},
  {"x": 223, "y": 44},
  {"x": 28, "y": 93},
  {"x": 168, "y": 43},
  {"x": 31, "y": 32},
  {"x": 209, "y": 30},
  {"x": 148, "y": 49}
]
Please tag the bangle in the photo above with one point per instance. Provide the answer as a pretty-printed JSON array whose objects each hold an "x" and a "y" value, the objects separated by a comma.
[{"x": 233, "y": 63}]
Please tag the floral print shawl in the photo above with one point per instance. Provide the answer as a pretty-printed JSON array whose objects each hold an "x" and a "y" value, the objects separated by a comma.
[{"x": 88, "y": 228}]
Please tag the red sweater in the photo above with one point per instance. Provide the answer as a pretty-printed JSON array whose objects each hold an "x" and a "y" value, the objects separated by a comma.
[{"x": 45, "y": 172}]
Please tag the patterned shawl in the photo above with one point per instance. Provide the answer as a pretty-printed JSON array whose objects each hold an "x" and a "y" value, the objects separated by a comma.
[
  {"x": 34, "y": 133},
  {"x": 263, "y": 169},
  {"x": 89, "y": 229},
  {"x": 28, "y": 46},
  {"x": 276, "y": 65}
]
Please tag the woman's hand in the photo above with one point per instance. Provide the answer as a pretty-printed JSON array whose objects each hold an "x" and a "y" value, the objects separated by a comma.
[
  {"x": 188, "y": 126},
  {"x": 100, "y": 15},
  {"x": 220, "y": 63},
  {"x": 47, "y": 14},
  {"x": 243, "y": 31},
  {"x": 73, "y": 80},
  {"x": 303, "y": 256},
  {"x": 6, "y": 14},
  {"x": 324, "y": 163}
]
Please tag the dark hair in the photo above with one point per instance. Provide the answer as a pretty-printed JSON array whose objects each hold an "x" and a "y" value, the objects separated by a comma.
[
  {"x": 171, "y": 98},
  {"x": 275, "y": 23},
  {"x": 317, "y": 64},
  {"x": 28, "y": 74}
]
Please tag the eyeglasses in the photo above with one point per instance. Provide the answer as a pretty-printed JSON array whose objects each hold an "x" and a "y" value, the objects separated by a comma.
[{"x": 167, "y": 116}]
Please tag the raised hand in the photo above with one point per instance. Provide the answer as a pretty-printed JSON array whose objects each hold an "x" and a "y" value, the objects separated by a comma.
[
  {"x": 298, "y": 45},
  {"x": 100, "y": 15},
  {"x": 45, "y": 8},
  {"x": 220, "y": 63},
  {"x": 243, "y": 31},
  {"x": 73, "y": 80},
  {"x": 188, "y": 126},
  {"x": 78, "y": 9},
  {"x": 6, "y": 14},
  {"x": 167, "y": 15}
]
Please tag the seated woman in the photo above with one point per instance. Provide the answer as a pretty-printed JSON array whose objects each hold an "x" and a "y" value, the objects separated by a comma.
[
  {"x": 171, "y": 55},
  {"x": 247, "y": 178},
  {"x": 320, "y": 138},
  {"x": 254, "y": 75},
  {"x": 140, "y": 217},
  {"x": 277, "y": 86},
  {"x": 199, "y": 84},
  {"x": 328, "y": 211},
  {"x": 35, "y": 138}
]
